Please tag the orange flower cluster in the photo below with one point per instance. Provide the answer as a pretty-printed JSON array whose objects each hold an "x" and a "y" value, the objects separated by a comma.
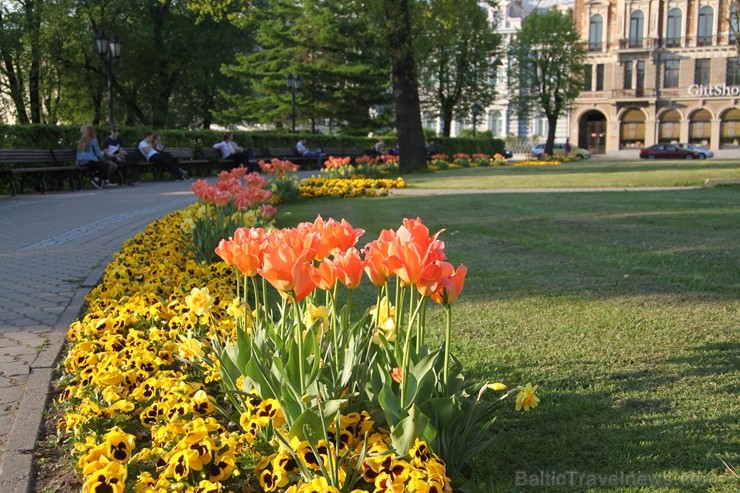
[
  {"x": 278, "y": 167},
  {"x": 247, "y": 190},
  {"x": 336, "y": 162},
  {"x": 295, "y": 261}
]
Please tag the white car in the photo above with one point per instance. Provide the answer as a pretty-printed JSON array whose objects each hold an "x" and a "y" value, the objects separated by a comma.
[
  {"x": 558, "y": 149},
  {"x": 703, "y": 152}
]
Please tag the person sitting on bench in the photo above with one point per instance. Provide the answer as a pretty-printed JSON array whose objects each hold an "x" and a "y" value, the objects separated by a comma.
[
  {"x": 304, "y": 151},
  {"x": 147, "y": 149},
  {"x": 231, "y": 150}
]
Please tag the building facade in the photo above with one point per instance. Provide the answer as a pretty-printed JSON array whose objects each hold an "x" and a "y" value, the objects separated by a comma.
[{"x": 657, "y": 71}]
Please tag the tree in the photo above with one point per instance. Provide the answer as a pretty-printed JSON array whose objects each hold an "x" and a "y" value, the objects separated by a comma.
[
  {"x": 399, "y": 41},
  {"x": 735, "y": 22},
  {"x": 547, "y": 57},
  {"x": 458, "y": 55}
]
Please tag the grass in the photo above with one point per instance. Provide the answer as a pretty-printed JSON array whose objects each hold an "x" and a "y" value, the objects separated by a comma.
[
  {"x": 595, "y": 172},
  {"x": 623, "y": 306}
]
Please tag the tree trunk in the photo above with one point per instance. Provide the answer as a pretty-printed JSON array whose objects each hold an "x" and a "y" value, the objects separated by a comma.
[
  {"x": 32, "y": 11},
  {"x": 552, "y": 123},
  {"x": 405, "y": 86},
  {"x": 446, "y": 120}
]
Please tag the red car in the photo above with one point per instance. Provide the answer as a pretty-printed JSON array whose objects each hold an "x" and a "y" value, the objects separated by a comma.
[{"x": 668, "y": 151}]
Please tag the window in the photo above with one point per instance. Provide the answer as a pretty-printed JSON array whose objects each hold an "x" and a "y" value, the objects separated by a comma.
[
  {"x": 540, "y": 125},
  {"x": 669, "y": 128},
  {"x": 637, "y": 26},
  {"x": 588, "y": 77},
  {"x": 628, "y": 75},
  {"x": 702, "y": 67},
  {"x": 595, "y": 33},
  {"x": 496, "y": 124},
  {"x": 733, "y": 71},
  {"x": 640, "y": 80},
  {"x": 673, "y": 29},
  {"x": 670, "y": 78},
  {"x": 600, "y": 77},
  {"x": 706, "y": 26}
]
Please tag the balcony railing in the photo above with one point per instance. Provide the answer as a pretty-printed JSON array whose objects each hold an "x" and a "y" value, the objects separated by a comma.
[
  {"x": 676, "y": 42},
  {"x": 633, "y": 93}
]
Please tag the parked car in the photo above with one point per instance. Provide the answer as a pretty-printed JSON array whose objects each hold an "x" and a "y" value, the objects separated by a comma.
[
  {"x": 558, "y": 149},
  {"x": 507, "y": 153},
  {"x": 704, "y": 153},
  {"x": 668, "y": 151}
]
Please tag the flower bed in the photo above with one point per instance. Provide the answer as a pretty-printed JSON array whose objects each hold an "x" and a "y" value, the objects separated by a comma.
[{"x": 256, "y": 373}]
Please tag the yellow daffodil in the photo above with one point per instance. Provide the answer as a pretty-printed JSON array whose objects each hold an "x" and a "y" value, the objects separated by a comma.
[{"x": 526, "y": 398}]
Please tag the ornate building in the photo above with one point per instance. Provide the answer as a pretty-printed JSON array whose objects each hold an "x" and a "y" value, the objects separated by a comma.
[{"x": 657, "y": 71}]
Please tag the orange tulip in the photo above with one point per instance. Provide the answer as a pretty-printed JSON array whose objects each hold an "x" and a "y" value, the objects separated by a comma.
[
  {"x": 397, "y": 375},
  {"x": 431, "y": 275},
  {"x": 226, "y": 250},
  {"x": 412, "y": 250},
  {"x": 325, "y": 275},
  {"x": 376, "y": 252},
  {"x": 450, "y": 286},
  {"x": 288, "y": 270},
  {"x": 349, "y": 268}
]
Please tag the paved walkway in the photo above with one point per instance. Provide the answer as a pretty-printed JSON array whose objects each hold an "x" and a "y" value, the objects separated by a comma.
[{"x": 53, "y": 250}]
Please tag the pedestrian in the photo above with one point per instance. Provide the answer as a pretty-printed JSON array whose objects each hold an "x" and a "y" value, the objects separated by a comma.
[
  {"x": 567, "y": 147},
  {"x": 152, "y": 149},
  {"x": 90, "y": 156},
  {"x": 114, "y": 151},
  {"x": 231, "y": 150}
]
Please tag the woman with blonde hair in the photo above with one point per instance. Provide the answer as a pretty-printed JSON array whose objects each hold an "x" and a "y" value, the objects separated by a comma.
[{"x": 90, "y": 156}]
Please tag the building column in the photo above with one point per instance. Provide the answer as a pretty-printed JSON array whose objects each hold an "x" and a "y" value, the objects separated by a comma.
[
  {"x": 684, "y": 129},
  {"x": 714, "y": 140}
]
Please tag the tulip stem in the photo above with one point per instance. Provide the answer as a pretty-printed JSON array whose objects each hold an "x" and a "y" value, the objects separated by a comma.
[{"x": 448, "y": 335}]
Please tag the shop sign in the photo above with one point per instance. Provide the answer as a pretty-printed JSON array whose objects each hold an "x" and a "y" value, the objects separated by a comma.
[{"x": 698, "y": 90}]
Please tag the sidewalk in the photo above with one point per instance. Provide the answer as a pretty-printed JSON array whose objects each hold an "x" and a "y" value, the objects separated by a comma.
[{"x": 53, "y": 249}]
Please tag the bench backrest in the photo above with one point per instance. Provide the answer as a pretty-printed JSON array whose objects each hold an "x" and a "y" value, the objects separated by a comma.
[
  {"x": 210, "y": 153},
  {"x": 26, "y": 156},
  {"x": 282, "y": 152},
  {"x": 65, "y": 156},
  {"x": 334, "y": 151},
  {"x": 180, "y": 152},
  {"x": 353, "y": 152}
]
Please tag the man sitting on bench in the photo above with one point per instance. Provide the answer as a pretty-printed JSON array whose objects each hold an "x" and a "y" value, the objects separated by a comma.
[
  {"x": 146, "y": 148},
  {"x": 231, "y": 150},
  {"x": 304, "y": 151}
]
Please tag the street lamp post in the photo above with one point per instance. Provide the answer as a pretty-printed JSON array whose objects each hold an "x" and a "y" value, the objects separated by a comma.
[
  {"x": 294, "y": 84},
  {"x": 109, "y": 49},
  {"x": 475, "y": 109}
]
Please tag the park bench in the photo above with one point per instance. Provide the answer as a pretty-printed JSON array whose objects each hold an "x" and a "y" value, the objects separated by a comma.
[
  {"x": 290, "y": 154},
  {"x": 193, "y": 165},
  {"x": 36, "y": 165},
  {"x": 216, "y": 161}
]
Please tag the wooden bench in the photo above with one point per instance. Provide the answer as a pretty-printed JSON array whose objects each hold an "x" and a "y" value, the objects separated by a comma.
[
  {"x": 194, "y": 166},
  {"x": 38, "y": 165},
  {"x": 216, "y": 161},
  {"x": 290, "y": 154}
]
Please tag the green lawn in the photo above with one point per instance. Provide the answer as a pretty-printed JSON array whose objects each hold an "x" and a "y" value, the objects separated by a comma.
[
  {"x": 595, "y": 172},
  {"x": 623, "y": 306}
]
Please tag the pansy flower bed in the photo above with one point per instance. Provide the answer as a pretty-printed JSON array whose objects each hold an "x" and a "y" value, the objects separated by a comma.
[{"x": 256, "y": 373}]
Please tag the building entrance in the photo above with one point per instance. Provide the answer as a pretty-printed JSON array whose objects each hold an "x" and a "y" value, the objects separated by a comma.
[{"x": 592, "y": 132}]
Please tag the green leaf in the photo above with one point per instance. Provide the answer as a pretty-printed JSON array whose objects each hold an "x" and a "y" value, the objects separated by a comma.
[{"x": 405, "y": 433}]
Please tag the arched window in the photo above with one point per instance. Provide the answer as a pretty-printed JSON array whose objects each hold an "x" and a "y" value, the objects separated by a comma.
[
  {"x": 673, "y": 29},
  {"x": 595, "y": 33},
  {"x": 700, "y": 127},
  {"x": 730, "y": 129},
  {"x": 540, "y": 125},
  {"x": 706, "y": 26},
  {"x": 632, "y": 135},
  {"x": 637, "y": 26},
  {"x": 496, "y": 124},
  {"x": 669, "y": 129}
]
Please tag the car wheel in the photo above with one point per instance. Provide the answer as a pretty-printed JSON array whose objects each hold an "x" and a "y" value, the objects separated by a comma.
[
  {"x": 702, "y": 156},
  {"x": 689, "y": 157},
  {"x": 651, "y": 156}
]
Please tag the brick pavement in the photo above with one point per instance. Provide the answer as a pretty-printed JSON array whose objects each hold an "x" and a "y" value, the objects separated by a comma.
[{"x": 53, "y": 249}]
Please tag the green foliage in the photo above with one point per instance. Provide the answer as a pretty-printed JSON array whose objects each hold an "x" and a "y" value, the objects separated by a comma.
[
  {"x": 458, "y": 52},
  {"x": 547, "y": 57}
]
